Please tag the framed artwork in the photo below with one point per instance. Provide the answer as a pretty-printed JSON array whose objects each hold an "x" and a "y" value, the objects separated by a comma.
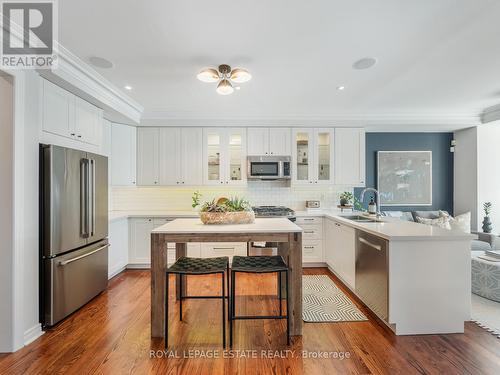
[{"x": 404, "y": 178}]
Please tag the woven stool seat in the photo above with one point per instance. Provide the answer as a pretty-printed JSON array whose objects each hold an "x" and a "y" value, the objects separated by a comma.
[
  {"x": 259, "y": 264},
  {"x": 199, "y": 266}
]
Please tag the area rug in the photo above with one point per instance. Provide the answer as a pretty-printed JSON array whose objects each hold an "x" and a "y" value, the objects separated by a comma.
[
  {"x": 486, "y": 314},
  {"x": 322, "y": 301}
]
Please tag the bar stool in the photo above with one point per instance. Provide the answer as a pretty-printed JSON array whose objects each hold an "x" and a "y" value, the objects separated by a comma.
[
  {"x": 199, "y": 266},
  {"x": 259, "y": 264}
]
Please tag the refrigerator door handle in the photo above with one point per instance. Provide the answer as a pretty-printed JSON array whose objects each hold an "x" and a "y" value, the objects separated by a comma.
[
  {"x": 64, "y": 262},
  {"x": 84, "y": 231},
  {"x": 92, "y": 202}
]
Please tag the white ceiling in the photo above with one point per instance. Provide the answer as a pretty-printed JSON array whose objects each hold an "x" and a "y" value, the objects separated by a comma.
[{"x": 438, "y": 60}]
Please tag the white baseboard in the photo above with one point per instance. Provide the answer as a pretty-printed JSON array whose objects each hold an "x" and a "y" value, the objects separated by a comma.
[
  {"x": 314, "y": 264},
  {"x": 138, "y": 266},
  {"x": 33, "y": 333},
  {"x": 116, "y": 270}
]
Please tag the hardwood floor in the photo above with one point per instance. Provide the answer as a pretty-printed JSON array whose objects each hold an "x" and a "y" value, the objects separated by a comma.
[{"x": 111, "y": 335}]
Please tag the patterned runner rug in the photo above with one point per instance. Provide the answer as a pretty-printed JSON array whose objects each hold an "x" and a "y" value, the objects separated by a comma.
[{"x": 323, "y": 302}]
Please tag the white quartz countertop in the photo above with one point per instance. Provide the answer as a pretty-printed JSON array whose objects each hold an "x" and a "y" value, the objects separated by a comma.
[
  {"x": 116, "y": 215},
  {"x": 271, "y": 225},
  {"x": 389, "y": 229}
]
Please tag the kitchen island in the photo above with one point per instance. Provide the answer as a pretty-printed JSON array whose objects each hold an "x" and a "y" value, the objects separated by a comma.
[{"x": 182, "y": 231}]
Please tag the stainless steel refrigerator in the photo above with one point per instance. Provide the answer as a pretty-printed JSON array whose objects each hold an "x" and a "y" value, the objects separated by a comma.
[{"x": 73, "y": 230}]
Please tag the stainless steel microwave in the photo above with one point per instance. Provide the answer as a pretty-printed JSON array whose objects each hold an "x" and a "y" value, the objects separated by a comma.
[{"x": 269, "y": 167}]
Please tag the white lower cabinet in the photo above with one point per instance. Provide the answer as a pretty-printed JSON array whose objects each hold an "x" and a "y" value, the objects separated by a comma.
[
  {"x": 118, "y": 246},
  {"x": 340, "y": 250},
  {"x": 140, "y": 241},
  {"x": 312, "y": 239}
]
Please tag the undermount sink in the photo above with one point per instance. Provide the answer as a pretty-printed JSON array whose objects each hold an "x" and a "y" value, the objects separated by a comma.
[{"x": 361, "y": 219}]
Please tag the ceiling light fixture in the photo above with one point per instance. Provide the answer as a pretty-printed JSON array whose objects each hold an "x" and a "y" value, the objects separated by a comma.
[
  {"x": 225, "y": 76},
  {"x": 127, "y": 87},
  {"x": 340, "y": 88}
]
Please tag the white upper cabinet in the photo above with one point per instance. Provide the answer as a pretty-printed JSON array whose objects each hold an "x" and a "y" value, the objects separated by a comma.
[
  {"x": 88, "y": 122},
  {"x": 350, "y": 156},
  {"x": 224, "y": 156},
  {"x": 269, "y": 141},
  {"x": 170, "y": 156},
  {"x": 191, "y": 145},
  {"x": 313, "y": 156},
  {"x": 148, "y": 156},
  {"x": 123, "y": 155},
  {"x": 280, "y": 142},
  {"x": 69, "y": 116},
  {"x": 57, "y": 110},
  {"x": 258, "y": 141},
  {"x": 181, "y": 153}
]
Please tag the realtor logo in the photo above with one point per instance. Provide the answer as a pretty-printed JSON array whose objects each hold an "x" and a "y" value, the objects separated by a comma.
[{"x": 28, "y": 34}]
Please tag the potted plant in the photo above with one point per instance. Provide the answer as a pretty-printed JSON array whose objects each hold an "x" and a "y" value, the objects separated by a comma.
[
  {"x": 346, "y": 198},
  {"x": 224, "y": 210},
  {"x": 487, "y": 225}
]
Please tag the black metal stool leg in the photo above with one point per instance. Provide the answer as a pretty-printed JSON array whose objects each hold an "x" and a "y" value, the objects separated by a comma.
[
  {"x": 166, "y": 312},
  {"x": 279, "y": 293},
  {"x": 287, "y": 309},
  {"x": 231, "y": 320},
  {"x": 181, "y": 296},
  {"x": 223, "y": 312}
]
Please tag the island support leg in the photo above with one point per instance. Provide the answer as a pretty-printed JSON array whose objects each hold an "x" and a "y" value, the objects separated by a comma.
[
  {"x": 158, "y": 266},
  {"x": 291, "y": 252},
  {"x": 180, "y": 251}
]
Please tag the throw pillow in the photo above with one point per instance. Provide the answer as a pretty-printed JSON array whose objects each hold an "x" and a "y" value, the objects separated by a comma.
[
  {"x": 441, "y": 222},
  {"x": 459, "y": 222}
]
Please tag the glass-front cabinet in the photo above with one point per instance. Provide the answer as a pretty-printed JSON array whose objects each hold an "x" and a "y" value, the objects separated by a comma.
[
  {"x": 313, "y": 156},
  {"x": 224, "y": 156}
]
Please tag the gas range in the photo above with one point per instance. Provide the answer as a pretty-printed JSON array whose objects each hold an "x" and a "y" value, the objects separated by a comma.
[{"x": 274, "y": 211}]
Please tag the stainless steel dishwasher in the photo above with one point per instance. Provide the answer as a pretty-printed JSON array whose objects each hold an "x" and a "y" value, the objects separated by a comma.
[{"x": 372, "y": 273}]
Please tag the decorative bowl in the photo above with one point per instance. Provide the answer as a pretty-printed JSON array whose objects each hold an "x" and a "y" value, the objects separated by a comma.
[{"x": 240, "y": 217}]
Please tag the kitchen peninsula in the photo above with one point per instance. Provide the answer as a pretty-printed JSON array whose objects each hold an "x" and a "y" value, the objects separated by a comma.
[{"x": 182, "y": 231}]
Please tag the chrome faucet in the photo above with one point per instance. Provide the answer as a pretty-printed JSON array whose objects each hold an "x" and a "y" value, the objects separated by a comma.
[{"x": 377, "y": 196}]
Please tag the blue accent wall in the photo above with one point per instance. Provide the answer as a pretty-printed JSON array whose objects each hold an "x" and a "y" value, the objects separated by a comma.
[{"x": 442, "y": 164}]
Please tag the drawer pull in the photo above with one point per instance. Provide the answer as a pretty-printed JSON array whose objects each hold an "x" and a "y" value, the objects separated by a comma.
[
  {"x": 309, "y": 219},
  {"x": 372, "y": 245},
  {"x": 223, "y": 248},
  {"x": 309, "y": 231},
  {"x": 308, "y": 247}
]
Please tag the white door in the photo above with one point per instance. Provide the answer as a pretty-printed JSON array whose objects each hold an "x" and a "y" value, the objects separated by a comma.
[
  {"x": 280, "y": 141},
  {"x": 123, "y": 155},
  {"x": 303, "y": 156},
  {"x": 323, "y": 156},
  {"x": 258, "y": 141},
  {"x": 170, "y": 156},
  {"x": 235, "y": 157},
  {"x": 350, "y": 156},
  {"x": 140, "y": 240},
  {"x": 147, "y": 156},
  {"x": 191, "y": 156},
  {"x": 88, "y": 122},
  {"x": 213, "y": 170},
  {"x": 57, "y": 110}
]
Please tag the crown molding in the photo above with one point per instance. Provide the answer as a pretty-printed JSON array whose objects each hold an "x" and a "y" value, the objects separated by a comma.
[
  {"x": 491, "y": 114},
  {"x": 76, "y": 76},
  {"x": 373, "y": 122}
]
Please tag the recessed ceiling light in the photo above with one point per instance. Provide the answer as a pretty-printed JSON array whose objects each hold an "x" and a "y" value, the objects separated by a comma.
[
  {"x": 340, "y": 88},
  {"x": 127, "y": 87},
  {"x": 364, "y": 63},
  {"x": 100, "y": 62}
]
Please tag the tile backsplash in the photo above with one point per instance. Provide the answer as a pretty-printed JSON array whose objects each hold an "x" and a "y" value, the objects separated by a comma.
[{"x": 274, "y": 193}]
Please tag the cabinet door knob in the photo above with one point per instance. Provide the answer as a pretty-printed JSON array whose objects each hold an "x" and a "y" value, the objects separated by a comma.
[
  {"x": 182, "y": 181},
  {"x": 315, "y": 182},
  {"x": 133, "y": 182},
  {"x": 79, "y": 136},
  {"x": 73, "y": 134},
  {"x": 177, "y": 182}
]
